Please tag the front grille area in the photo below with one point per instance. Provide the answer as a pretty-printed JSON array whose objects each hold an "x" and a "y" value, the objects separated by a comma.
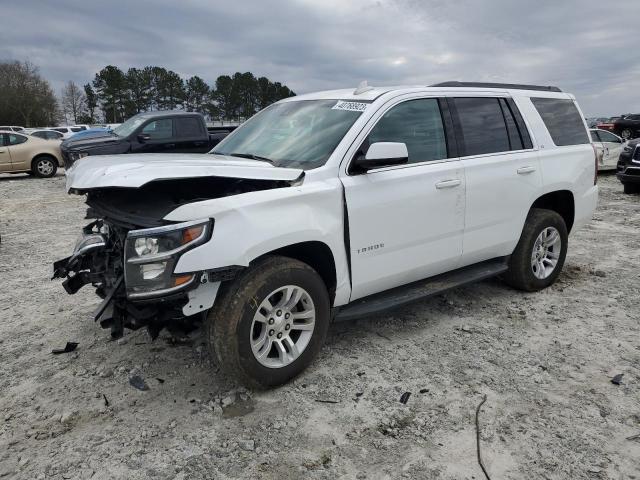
[{"x": 636, "y": 154}]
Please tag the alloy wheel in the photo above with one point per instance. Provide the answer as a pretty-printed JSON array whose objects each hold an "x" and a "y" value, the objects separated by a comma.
[
  {"x": 282, "y": 326},
  {"x": 546, "y": 252},
  {"x": 45, "y": 167}
]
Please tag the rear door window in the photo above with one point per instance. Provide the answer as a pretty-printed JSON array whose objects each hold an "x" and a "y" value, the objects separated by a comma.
[
  {"x": 608, "y": 137},
  {"x": 16, "y": 139},
  {"x": 481, "y": 125},
  {"x": 188, "y": 127},
  {"x": 562, "y": 119}
]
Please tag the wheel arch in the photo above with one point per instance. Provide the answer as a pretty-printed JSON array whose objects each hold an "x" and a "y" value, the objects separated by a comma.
[
  {"x": 561, "y": 202},
  {"x": 317, "y": 255}
]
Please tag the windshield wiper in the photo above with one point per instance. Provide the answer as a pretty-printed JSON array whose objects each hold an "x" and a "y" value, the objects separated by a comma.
[{"x": 252, "y": 157}]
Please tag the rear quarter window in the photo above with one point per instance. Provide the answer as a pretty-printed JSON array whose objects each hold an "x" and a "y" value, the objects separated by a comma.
[{"x": 562, "y": 119}]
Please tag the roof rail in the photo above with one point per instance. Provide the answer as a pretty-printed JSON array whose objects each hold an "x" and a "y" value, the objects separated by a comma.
[{"x": 511, "y": 86}]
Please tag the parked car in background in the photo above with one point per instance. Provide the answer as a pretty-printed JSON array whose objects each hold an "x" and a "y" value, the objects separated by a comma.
[
  {"x": 23, "y": 153},
  {"x": 89, "y": 132},
  {"x": 12, "y": 129},
  {"x": 217, "y": 134},
  {"x": 626, "y": 126},
  {"x": 610, "y": 145},
  {"x": 628, "y": 170},
  {"x": 46, "y": 134},
  {"x": 151, "y": 132},
  {"x": 68, "y": 131},
  {"x": 592, "y": 122},
  {"x": 607, "y": 124},
  {"x": 328, "y": 205}
]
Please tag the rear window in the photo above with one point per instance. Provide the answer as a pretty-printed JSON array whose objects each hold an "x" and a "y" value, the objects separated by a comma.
[{"x": 562, "y": 119}]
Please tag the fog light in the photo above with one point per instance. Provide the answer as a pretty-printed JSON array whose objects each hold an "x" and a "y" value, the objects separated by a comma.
[{"x": 150, "y": 271}]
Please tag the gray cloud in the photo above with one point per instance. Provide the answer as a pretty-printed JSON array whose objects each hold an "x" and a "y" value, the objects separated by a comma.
[{"x": 585, "y": 47}]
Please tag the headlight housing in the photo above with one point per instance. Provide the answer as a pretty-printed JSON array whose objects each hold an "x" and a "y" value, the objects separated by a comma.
[{"x": 151, "y": 255}]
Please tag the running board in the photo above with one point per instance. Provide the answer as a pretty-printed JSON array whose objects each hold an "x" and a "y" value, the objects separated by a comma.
[{"x": 412, "y": 292}]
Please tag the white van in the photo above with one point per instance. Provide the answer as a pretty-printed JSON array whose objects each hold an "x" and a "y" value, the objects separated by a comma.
[{"x": 334, "y": 205}]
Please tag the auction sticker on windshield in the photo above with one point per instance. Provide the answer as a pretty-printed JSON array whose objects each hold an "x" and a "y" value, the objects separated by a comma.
[{"x": 351, "y": 106}]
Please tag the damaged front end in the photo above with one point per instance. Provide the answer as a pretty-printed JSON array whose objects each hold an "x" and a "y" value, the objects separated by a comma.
[
  {"x": 132, "y": 271},
  {"x": 130, "y": 251}
]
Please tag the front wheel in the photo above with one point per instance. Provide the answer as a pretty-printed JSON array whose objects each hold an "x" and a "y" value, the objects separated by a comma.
[
  {"x": 44, "y": 166},
  {"x": 627, "y": 134},
  {"x": 539, "y": 256},
  {"x": 269, "y": 323},
  {"x": 631, "y": 187}
]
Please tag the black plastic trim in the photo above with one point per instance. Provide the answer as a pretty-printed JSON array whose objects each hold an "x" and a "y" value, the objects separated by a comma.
[
  {"x": 522, "y": 127},
  {"x": 511, "y": 86},
  {"x": 421, "y": 289},
  {"x": 452, "y": 143}
]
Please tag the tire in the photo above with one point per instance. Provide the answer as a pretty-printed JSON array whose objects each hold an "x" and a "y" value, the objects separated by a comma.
[
  {"x": 232, "y": 326},
  {"x": 526, "y": 274},
  {"x": 631, "y": 187},
  {"x": 44, "y": 166},
  {"x": 626, "y": 133}
]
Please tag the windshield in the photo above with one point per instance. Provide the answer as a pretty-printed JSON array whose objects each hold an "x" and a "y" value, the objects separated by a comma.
[
  {"x": 300, "y": 134},
  {"x": 127, "y": 128}
]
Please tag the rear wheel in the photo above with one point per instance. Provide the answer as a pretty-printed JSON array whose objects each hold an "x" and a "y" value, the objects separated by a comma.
[
  {"x": 631, "y": 187},
  {"x": 269, "y": 323},
  {"x": 539, "y": 256},
  {"x": 44, "y": 166}
]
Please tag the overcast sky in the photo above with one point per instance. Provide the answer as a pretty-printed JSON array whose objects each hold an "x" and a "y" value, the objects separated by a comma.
[{"x": 586, "y": 47}]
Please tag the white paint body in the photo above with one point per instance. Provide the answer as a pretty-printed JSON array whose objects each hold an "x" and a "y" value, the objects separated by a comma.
[
  {"x": 402, "y": 223},
  {"x": 611, "y": 146}
]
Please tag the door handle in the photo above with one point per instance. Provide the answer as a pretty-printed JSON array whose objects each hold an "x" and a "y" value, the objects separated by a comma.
[
  {"x": 525, "y": 170},
  {"x": 448, "y": 184}
]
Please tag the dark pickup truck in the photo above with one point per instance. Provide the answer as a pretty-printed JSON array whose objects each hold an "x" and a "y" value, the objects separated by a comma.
[{"x": 150, "y": 132}]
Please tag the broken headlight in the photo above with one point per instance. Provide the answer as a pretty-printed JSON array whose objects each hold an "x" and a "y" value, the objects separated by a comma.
[{"x": 151, "y": 255}]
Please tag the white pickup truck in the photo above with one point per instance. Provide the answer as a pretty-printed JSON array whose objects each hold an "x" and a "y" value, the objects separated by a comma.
[{"x": 333, "y": 205}]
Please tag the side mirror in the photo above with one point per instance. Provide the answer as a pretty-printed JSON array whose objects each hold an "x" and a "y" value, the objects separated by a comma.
[
  {"x": 383, "y": 154},
  {"x": 143, "y": 137}
]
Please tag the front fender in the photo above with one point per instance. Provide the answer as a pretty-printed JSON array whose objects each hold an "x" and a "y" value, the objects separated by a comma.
[{"x": 252, "y": 224}]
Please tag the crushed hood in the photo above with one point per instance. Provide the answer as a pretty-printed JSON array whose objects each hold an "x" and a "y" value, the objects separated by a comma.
[{"x": 136, "y": 170}]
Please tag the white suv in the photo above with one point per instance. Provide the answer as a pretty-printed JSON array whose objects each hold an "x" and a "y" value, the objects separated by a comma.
[{"x": 333, "y": 205}]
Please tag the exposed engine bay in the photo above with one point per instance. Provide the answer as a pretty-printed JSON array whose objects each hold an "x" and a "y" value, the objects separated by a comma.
[
  {"x": 146, "y": 206},
  {"x": 120, "y": 218}
]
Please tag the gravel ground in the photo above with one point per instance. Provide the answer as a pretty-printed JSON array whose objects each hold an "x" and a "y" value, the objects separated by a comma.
[{"x": 544, "y": 360}]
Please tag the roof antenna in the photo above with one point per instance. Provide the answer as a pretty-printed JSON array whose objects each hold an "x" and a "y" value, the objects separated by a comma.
[{"x": 363, "y": 87}]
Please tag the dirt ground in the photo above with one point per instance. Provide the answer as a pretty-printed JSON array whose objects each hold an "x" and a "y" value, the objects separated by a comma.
[{"x": 544, "y": 360}]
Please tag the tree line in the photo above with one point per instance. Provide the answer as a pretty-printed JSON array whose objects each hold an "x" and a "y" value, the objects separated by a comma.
[
  {"x": 115, "y": 95},
  {"x": 119, "y": 95},
  {"x": 25, "y": 97}
]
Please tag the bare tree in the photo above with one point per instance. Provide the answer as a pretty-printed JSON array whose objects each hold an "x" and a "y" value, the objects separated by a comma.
[
  {"x": 27, "y": 98},
  {"x": 73, "y": 102}
]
